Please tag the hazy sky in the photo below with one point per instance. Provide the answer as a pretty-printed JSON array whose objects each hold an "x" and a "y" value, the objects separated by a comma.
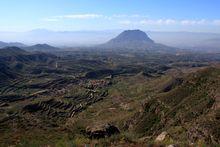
[{"x": 159, "y": 15}]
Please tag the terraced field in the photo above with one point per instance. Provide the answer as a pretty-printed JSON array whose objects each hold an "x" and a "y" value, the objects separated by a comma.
[{"x": 109, "y": 99}]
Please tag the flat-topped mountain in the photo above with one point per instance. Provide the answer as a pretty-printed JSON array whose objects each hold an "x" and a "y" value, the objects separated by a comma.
[
  {"x": 132, "y": 36},
  {"x": 135, "y": 40},
  {"x": 41, "y": 48}
]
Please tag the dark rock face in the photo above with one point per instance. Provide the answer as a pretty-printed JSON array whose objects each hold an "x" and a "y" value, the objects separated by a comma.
[{"x": 102, "y": 131}]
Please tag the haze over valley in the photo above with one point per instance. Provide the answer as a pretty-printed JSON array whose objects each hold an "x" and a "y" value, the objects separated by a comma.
[{"x": 184, "y": 40}]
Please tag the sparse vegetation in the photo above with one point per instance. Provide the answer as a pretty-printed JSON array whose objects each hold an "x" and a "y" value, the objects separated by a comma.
[{"x": 108, "y": 98}]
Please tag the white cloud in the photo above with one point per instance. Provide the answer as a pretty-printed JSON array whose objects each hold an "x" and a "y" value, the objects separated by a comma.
[
  {"x": 136, "y": 16},
  {"x": 216, "y": 22},
  {"x": 155, "y": 22},
  {"x": 125, "y": 22},
  {"x": 187, "y": 22},
  {"x": 94, "y": 16},
  {"x": 148, "y": 22},
  {"x": 128, "y": 16},
  {"x": 73, "y": 16},
  {"x": 194, "y": 22},
  {"x": 80, "y": 16},
  {"x": 119, "y": 16},
  {"x": 134, "y": 19},
  {"x": 50, "y": 19},
  {"x": 170, "y": 22}
]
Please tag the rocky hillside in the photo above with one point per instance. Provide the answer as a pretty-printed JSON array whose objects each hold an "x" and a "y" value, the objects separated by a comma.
[
  {"x": 15, "y": 61},
  {"x": 108, "y": 98},
  {"x": 185, "y": 113},
  {"x": 15, "y": 54}
]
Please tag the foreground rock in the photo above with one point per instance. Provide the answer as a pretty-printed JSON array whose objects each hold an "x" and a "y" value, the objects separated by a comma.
[
  {"x": 102, "y": 131},
  {"x": 161, "y": 137}
]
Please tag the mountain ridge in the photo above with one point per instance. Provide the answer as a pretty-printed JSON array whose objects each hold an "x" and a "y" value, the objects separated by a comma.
[
  {"x": 41, "y": 48},
  {"x": 5, "y": 44}
]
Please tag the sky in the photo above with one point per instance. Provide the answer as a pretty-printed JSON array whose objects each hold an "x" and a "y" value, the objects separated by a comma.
[{"x": 72, "y": 15}]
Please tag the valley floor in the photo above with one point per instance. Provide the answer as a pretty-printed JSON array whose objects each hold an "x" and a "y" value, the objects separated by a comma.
[{"x": 112, "y": 100}]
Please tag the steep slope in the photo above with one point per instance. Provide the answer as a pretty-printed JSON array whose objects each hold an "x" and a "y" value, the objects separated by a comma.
[
  {"x": 188, "y": 113},
  {"x": 14, "y": 54},
  {"x": 12, "y": 51},
  {"x": 6, "y": 73},
  {"x": 8, "y": 57},
  {"x": 14, "y": 60}
]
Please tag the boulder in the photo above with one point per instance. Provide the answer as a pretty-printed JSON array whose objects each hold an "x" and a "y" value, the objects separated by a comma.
[{"x": 161, "y": 137}]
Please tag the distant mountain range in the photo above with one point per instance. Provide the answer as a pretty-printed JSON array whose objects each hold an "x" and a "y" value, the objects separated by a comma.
[
  {"x": 41, "y": 48},
  {"x": 185, "y": 40},
  {"x": 33, "y": 48},
  {"x": 17, "y": 44}
]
